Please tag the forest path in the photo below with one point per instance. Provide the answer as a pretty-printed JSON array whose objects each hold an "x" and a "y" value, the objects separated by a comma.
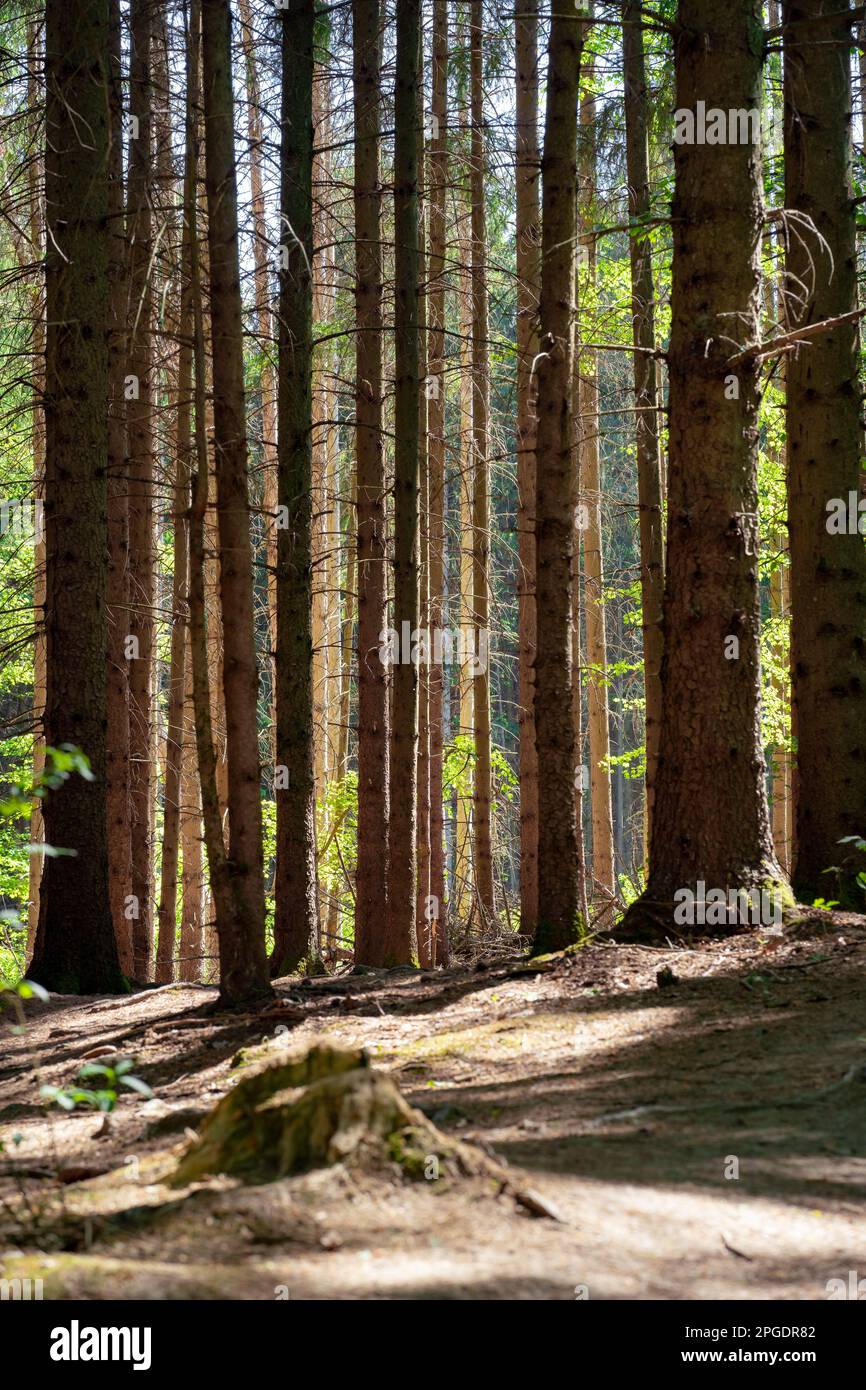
[{"x": 629, "y": 1105}]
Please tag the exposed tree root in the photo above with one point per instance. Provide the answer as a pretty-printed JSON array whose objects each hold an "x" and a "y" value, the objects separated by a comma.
[{"x": 329, "y": 1106}]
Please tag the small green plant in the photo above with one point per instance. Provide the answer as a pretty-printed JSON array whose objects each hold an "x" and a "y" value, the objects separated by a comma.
[
  {"x": 105, "y": 1096},
  {"x": 16, "y": 803},
  {"x": 860, "y": 847},
  {"x": 847, "y": 871},
  {"x": 11, "y": 998}
]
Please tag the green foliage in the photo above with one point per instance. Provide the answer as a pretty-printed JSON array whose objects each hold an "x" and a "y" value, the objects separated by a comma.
[
  {"x": 848, "y": 871},
  {"x": 15, "y": 808},
  {"x": 458, "y": 770},
  {"x": 104, "y": 1097},
  {"x": 338, "y": 838}
]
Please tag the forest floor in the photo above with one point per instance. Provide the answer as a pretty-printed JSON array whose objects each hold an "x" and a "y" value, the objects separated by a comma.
[{"x": 624, "y": 1085}]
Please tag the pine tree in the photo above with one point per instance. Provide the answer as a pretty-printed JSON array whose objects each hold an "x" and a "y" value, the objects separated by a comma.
[
  {"x": 710, "y": 821},
  {"x": 402, "y": 825},
  {"x": 373, "y": 734},
  {"x": 558, "y": 899},
  {"x": 296, "y": 923},
  {"x": 243, "y": 962},
  {"x": 527, "y": 239},
  {"x": 828, "y": 562},
  {"x": 75, "y": 949}
]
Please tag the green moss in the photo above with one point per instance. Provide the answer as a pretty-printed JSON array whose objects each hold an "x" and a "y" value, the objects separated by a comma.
[
  {"x": 405, "y": 1153},
  {"x": 552, "y": 938},
  {"x": 572, "y": 950}
]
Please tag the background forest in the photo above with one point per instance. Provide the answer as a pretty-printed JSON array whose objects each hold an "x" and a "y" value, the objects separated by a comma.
[
  {"x": 367, "y": 394},
  {"x": 432, "y": 643}
]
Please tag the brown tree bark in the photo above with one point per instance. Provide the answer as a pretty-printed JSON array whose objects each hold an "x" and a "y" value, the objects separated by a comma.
[
  {"x": 323, "y": 412},
  {"x": 264, "y": 318},
  {"x": 437, "y": 193},
  {"x": 296, "y": 926},
  {"x": 711, "y": 822},
  {"x": 527, "y": 239},
  {"x": 463, "y": 692},
  {"x": 118, "y": 595},
  {"x": 373, "y": 722},
  {"x": 463, "y": 901},
  {"x": 646, "y": 394},
  {"x": 558, "y": 898},
  {"x": 75, "y": 949},
  {"x": 139, "y": 423},
  {"x": 595, "y": 675},
  {"x": 243, "y": 961},
  {"x": 828, "y": 570},
  {"x": 423, "y": 930},
  {"x": 35, "y": 253},
  {"x": 200, "y": 647},
  {"x": 172, "y": 786},
  {"x": 780, "y": 786},
  {"x": 482, "y": 803},
  {"x": 402, "y": 850},
  {"x": 191, "y": 845}
]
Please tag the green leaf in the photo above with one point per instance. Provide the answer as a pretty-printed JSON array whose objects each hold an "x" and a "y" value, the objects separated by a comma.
[
  {"x": 28, "y": 989},
  {"x": 135, "y": 1083},
  {"x": 93, "y": 1069}
]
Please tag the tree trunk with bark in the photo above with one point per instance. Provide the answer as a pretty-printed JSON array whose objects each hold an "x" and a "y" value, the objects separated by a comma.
[
  {"x": 527, "y": 239},
  {"x": 646, "y": 394},
  {"x": 243, "y": 960},
  {"x": 373, "y": 723},
  {"x": 558, "y": 897},
  {"x": 828, "y": 560},
  {"x": 296, "y": 927},
  {"x": 37, "y": 417},
  {"x": 711, "y": 823},
  {"x": 482, "y": 803},
  {"x": 140, "y": 433},
  {"x": 437, "y": 193},
  {"x": 75, "y": 949},
  {"x": 402, "y": 850},
  {"x": 596, "y": 677}
]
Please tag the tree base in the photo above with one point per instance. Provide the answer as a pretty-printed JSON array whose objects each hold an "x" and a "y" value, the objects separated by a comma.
[{"x": 324, "y": 1107}]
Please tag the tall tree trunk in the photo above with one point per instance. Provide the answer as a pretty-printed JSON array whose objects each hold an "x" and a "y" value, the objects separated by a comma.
[
  {"x": 264, "y": 321},
  {"x": 781, "y": 765},
  {"x": 243, "y": 961},
  {"x": 482, "y": 805},
  {"x": 828, "y": 567},
  {"x": 36, "y": 253},
  {"x": 347, "y": 622},
  {"x": 296, "y": 927},
  {"x": 203, "y": 701},
  {"x": 558, "y": 897},
  {"x": 711, "y": 822},
  {"x": 463, "y": 875},
  {"x": 118, "y": 593},
  {"x": 646, "y": 395},
  {"x": 196, "y": 676},
  {"x": 172, "y": 793},
  {"x": 423, "y": 928},
  {"x": 139, "y": 420},
  {"x": 75, "y": 949},
  {"x": 322, "y": 430},
  {"x": 586, "y": 399},
  {"x": 437, "y": 191},
  {"x": 527, "y": 238},
  {"x": 373, "y": 723},
  {"x": 192, "y": 873},
  {"x": 402, "y": 851}
]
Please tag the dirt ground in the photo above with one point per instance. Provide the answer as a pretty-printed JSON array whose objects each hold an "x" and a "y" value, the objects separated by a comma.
[{"x": 694, "y": 1120}]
